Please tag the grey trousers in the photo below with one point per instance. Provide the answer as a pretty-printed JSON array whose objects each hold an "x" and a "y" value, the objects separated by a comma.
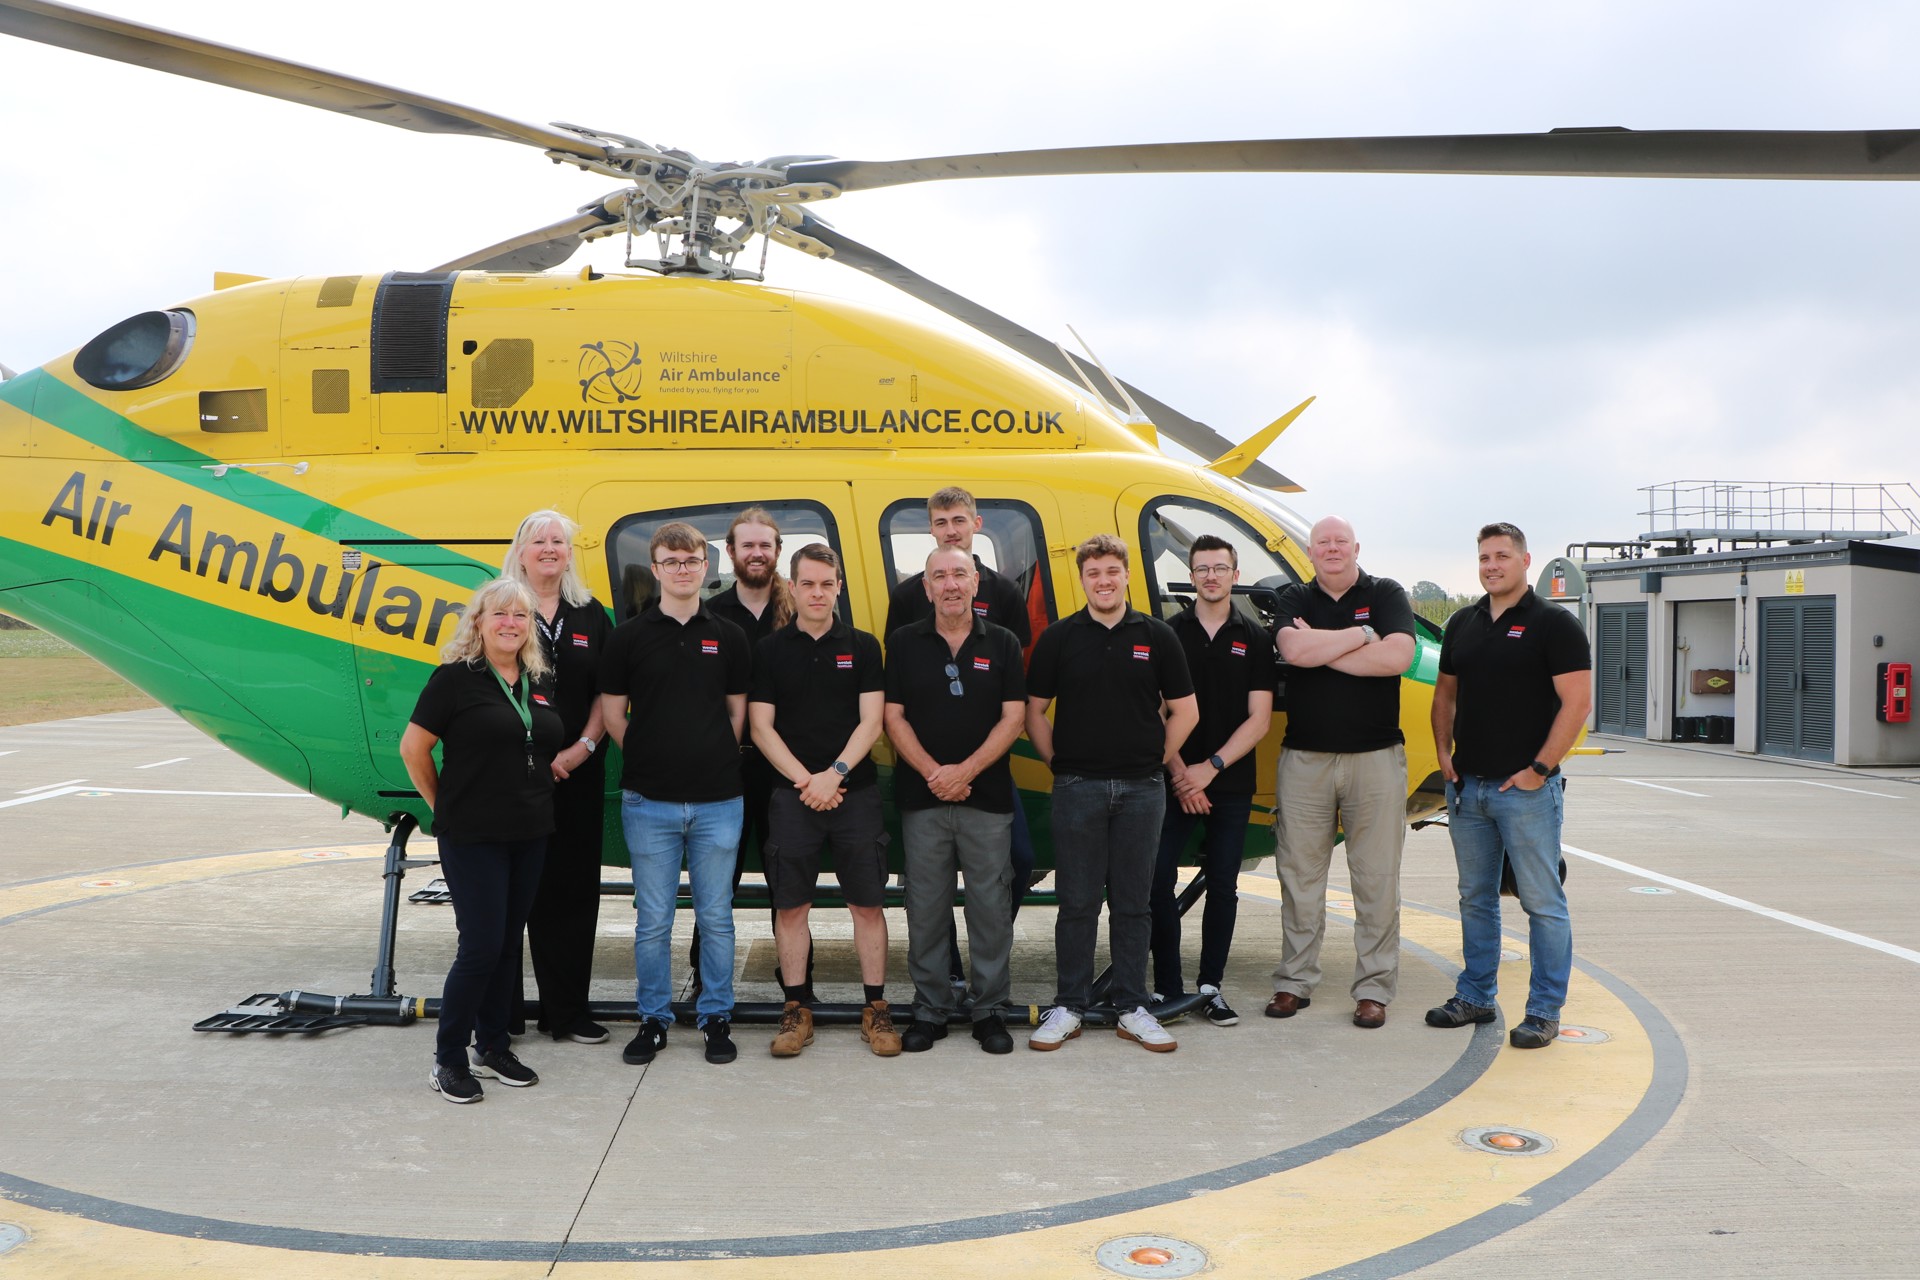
[
  {"x": 1364, "y": 793},
  {"x": 978, "y": 845}
]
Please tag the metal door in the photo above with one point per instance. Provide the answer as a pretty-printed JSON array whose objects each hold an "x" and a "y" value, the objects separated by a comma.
[
  {"x": 1797, "y": 669},
  {"x": 1620, "y": 679}
]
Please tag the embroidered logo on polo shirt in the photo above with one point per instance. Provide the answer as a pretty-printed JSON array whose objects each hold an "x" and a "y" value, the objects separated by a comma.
[
  {"x": 980, "y": 607},
  {"x": 709, "y": 646},
  {"x": 541, "y": 698},
  {"x": 1143, "y": 653},
  {"x": 1516, "y": 631},
  {"x": 981, "y": 664},
  {"x": 1363, "y": 613},
  {"x": 844, "y": 661},
  {"x": 579, "y": 641},
  {"x": 1238, "y": 648}
]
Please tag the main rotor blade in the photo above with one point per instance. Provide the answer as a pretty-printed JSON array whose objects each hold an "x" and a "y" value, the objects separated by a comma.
[
  {"x": 108, "y": 37},
  {"x": 1595, "y": 153},
  {"x": 544, "y": 247},
  {"x": 1191, "y": 434}
]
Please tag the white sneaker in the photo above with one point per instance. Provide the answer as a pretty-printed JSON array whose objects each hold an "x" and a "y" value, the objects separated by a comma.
[
  {"x": 1219, "y": 1012},
  {"x": 1145, "y": 1030},
  {"x": 1059, "y": 1026}
]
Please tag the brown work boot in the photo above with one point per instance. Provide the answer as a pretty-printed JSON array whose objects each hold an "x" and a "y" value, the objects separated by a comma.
[
  {"x": 876, "y": 1028},
  {"x": 796, "y": 1031}
]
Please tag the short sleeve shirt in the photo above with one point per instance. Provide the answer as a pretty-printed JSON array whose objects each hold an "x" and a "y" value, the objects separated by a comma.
[
  {"x": 1507, "y": 703},
  {"x": 998, "y": 601},
  {"x": 952, "y": 726},
  {"x": 815, "y": 687},
  {"x": 1107, "y": 684},
  {"x": 676, "y": 678},
  {"x": 1329, "y": 710},
  {"x": 1235, "y": 661},
  {"x": 487, "y": 792}
]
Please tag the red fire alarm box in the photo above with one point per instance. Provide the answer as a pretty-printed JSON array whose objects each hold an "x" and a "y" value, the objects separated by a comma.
[{"x": 1896, "y": 693}]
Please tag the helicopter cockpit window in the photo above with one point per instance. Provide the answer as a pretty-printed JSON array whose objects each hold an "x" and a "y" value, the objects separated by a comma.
[
  {"x": 632, "y": 573},
  {"x": 137, "y": 352},
  {"x": 1010, "y": 542},
  {"x": 1169, "y": 526}
]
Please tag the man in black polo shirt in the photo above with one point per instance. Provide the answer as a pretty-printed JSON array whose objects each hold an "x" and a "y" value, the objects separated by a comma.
[
  {"x": 1513, "y": 692},
  {"x": 817, "y": 703},
  {"x": 1231, "y": 661},
  {"x": 956, "y": 700},
  {"x": 673, "y": 689},
  {"x": 1348, "y": 637},
  {"x": 1110, "y": 669}
]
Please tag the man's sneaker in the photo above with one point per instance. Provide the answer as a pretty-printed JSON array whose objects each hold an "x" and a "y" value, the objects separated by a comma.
[
  {"x": 1534, "y": 1033},
  {"x": 991, "y": 1032},
  {"x": 1458, "y": 1013},
  {"x": 919, "y": 1037},
  {"x": 584, "y": 1032},
  {"x": 504, "y": 1067},
  {"x": 720, "y": 1046},
  {"x": 1219, "y": 1012},
  {"x": 455, "y": 1084},
  {"x": 1059, "y": 1026},
  {"x": 651, "y": 1039},
  {"x": 877, "y": 1029},
  {"x": 1145, "y": 1030},
  {"x": 796, "y": 1030}
]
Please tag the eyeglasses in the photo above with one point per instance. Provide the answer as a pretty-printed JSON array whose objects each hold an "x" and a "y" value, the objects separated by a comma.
[
  {"x": 680, "y": 566},
  {"x": 955, "y": 688},
  {"x": 1212, "y": 570}
]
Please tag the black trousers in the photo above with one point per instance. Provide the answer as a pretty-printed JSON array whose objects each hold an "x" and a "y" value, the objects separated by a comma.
[
  {"x": 493, "y": 886},
  {"x": 566, "y": 911}
]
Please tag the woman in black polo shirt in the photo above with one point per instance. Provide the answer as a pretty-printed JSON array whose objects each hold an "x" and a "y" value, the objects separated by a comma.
[{"x": 489, "y": 708}]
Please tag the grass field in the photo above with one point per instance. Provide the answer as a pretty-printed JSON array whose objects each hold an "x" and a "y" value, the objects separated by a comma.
[{"x": 43, "y": 678}]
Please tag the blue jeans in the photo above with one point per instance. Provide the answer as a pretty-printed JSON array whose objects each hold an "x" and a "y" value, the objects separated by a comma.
[
  {"x": 1106, "y": 832},
  {"x": 1222, "y": 844},
  {"x": 1524, "y": 825},
  {"x": 661, "y": 834}
]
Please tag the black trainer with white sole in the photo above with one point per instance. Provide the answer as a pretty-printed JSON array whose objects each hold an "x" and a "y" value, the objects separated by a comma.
[
  {"x": 501, "y": 1065},
  {"x": 455, "y": 1084}
]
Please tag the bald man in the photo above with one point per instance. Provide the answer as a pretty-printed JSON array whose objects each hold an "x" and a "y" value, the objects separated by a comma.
[{"x": 1346, "y": 638}]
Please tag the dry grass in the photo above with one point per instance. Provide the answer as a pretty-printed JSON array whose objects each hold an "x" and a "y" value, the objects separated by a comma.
[{"x": 44, "y": 678}]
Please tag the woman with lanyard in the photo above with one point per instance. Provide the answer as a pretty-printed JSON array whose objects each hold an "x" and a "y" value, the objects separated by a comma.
[
  {"x": 573, "y": 629},
  {"x": 490, "y": 709}
]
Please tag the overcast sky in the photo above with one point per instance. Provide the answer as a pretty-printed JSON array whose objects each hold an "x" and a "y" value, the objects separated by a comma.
[{"x": 1482, "y": 348}]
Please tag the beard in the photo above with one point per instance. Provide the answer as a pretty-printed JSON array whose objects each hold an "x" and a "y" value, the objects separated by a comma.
[{"x": 754, "y": 576}]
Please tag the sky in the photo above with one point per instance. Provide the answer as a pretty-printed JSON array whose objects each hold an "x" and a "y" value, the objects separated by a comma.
[{"x": 1526, "y": 349}]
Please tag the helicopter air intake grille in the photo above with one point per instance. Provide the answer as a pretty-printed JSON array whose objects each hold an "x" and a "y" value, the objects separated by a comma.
[
  {"x": 410, "y": 332},
  {"x": 332, "y": 391}
]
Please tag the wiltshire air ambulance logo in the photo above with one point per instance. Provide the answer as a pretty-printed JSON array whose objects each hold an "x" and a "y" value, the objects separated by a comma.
[{"x": 609, "y": 372}]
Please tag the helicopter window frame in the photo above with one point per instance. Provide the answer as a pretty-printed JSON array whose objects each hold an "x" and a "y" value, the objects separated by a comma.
[
  {"x": 1036, "y": 529},
  {"x": 624, "y": 608},
  {"x": 1255, "y": 602}
]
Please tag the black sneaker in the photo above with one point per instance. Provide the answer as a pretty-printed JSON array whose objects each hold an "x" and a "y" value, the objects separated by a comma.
[
  {"x": 651, "y": 1039},
  {"x": 1218, "y": 1011},
  {"x": 1534, "y": 1033},
  {"x": 455, "y": 1084},
  {"x": 919, "y": 1037},
  {"x": 991, "y": 1032},
  {"x": 1458, "y": 1013},
  {"x": 501, "y": 1065},
  {"x": 720, "y": 1046},
  {"x": 584, "y": 1032}
]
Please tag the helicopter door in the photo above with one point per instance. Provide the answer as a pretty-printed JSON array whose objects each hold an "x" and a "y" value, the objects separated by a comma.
[{"x": 1017, "y": 522}]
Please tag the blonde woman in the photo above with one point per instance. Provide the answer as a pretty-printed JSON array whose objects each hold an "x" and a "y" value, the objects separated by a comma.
[
  {"x": 573, "y": 630},
  {"x": 489, "y": 708}
]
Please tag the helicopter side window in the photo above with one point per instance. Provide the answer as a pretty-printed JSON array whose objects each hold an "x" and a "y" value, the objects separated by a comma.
[
  {"x": 1168, "y": 527},
  {"x": 631, "y": 571},
  {"x": 1010, "y": 543}
]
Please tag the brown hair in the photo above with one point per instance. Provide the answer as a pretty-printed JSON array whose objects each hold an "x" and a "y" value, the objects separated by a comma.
[
  {"x": 1100, "y": 544},
  {"x": 781, "y": 595},
  {"x": 677, "y": 535},
  {"x": 1501, "y": 529},
  {"x": 950, "y": 497},
  {"x": 819, "y": 553}
]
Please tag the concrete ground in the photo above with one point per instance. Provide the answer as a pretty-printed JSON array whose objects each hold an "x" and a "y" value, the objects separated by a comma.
[{"x": 1744, "y": 1103}]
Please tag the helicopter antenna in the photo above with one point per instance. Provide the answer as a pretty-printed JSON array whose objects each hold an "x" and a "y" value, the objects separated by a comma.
[
  {"x": 6, "y": 374},
  {"x": 1134, "y": 416}
]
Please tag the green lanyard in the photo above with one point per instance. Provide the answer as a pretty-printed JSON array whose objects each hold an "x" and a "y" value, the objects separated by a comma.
[{"x": 522, "y": 705}]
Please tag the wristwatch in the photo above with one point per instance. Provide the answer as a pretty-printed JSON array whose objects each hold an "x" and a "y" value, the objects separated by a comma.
[
  {"x": 1219, "y": 765},
  {"x": 1542, "y": 769},
  {"x": 1367, "y": 630},
  {"x": 840, "y": 768},
  {"x": 589, "y": 744}
]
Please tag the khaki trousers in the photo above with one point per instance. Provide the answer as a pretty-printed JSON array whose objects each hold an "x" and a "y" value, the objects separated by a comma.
[{"x": 1363, "y": 793}]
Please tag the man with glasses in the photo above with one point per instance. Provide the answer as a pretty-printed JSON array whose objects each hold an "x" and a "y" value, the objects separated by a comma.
[
  {"x": 673, "y": 689},
  {"x": 816, "y": 707},
  {"x": 956, "y": 700},
  {"x": 1348, "y": 637},
  {"x": 1211, "y": 779}
]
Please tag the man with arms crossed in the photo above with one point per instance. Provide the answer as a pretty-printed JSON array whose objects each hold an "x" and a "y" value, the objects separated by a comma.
[
  {"x": 1348, "y": 637},
  {"x": 673, "y": 693},
  {"x": 1513, "y": 691},
  {"x": 1110, "y": 669},
  {"x": 956, "y": 700},
  {"x": 1231, "y": 662},
  {"x": 816, "y": 707}
]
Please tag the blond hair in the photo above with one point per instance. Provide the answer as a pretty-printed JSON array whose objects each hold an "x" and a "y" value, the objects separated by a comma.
[
  {"x": 467, "y": 645},
  {"x": 573, "y": 588}
]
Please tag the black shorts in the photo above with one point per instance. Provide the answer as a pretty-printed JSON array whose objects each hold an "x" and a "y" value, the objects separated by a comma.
[{"x": 796, "y": 834}]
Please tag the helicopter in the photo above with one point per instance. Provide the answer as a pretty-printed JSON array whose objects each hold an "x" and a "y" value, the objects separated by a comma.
[{"x": 265, "y": 506}]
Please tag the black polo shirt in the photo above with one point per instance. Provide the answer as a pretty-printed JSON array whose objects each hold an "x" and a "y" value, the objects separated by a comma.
[
  {"x": 1235, "y": 661},
  {"x": 1329, "y": 710},
  {"x": 1506, "y": 667},
  {"x": 676, "y": 678},
  {"x": 997, "y": 600},
  {"x": 1107, "y": 685},
  {"x": 952, "y": 726},
  {"x": 574, "y": 643},
  {"x": 727, "y": 605},
  {"x": 815, "y": 688},
  {"x": 486, "y": 791}
]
